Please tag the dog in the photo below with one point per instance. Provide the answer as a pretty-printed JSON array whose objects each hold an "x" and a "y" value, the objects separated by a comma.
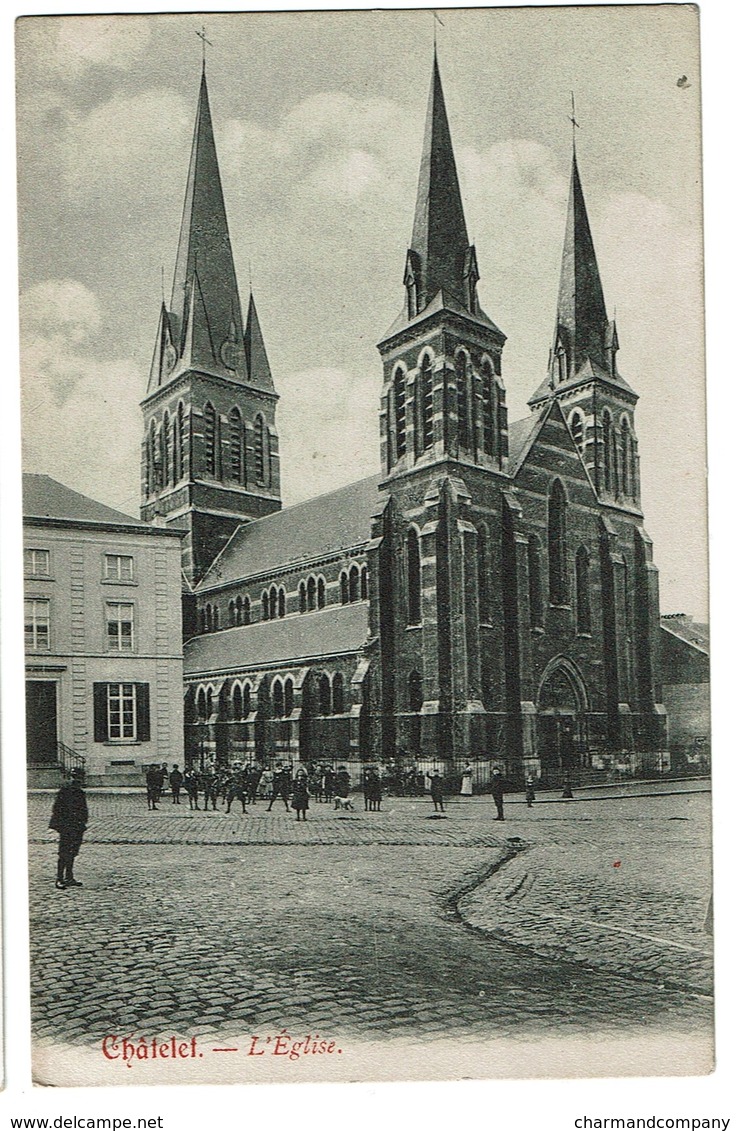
[{"x": 343, "y": 803}]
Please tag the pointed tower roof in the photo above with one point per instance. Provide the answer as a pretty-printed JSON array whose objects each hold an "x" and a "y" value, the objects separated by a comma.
[
  {"x": 205, "y": 248},
  {"x": 440, "y": 239},
  {"x": 258, "y": 367},
  {"x": 585, "y": 340},
  {"x": 581, "y": 306}
]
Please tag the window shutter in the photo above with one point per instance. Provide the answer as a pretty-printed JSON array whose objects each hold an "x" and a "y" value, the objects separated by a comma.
[
  {"x": 143, "y": 726},
  {"x": 100, "y": 711}
]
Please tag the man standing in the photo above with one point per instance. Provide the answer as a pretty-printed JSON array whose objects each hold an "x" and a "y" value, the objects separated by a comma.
[
  {"x": 497, "y": 789},
  {"x": 176, "y": 784},
  {"x": 152, "y": 787},
  {"x": 69, "y": 819},
  {"x": 437, "y": 790}
]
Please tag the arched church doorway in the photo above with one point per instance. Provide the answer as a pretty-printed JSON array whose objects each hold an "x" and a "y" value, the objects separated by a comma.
[{"x": 562, "y": 738}]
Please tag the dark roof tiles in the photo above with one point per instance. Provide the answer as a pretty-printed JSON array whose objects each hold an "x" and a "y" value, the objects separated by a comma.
[
  {"x": 304, "y": 532},
  {"x": 334, "y": 631}
]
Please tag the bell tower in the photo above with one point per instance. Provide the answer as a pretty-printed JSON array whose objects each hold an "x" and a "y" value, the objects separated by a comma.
[
  {"x": 210, "y": 457},
  {"x": 444, "y": 452}
]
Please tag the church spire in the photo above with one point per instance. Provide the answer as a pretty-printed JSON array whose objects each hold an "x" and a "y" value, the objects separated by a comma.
[
  {"x": 583, "y": 332},
  {"x": 205, "y": 262},
  {"x": 440, "y": 257},
  {"x": 258, "y": 367}
]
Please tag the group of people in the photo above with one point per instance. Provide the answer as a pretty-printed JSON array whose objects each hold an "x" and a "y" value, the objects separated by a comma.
[{"x": 247, "y": 783}]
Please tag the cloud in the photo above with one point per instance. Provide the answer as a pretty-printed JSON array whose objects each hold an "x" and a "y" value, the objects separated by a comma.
[
  {"x": 98, "y": 41},
  {"x": 125, "y": 150},
  {"x": 325, "y": 424},
  {"x": 79, "y": 403}
]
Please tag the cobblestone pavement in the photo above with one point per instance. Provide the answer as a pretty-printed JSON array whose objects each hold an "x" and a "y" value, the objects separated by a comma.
[{"x": 360, "y": 923}]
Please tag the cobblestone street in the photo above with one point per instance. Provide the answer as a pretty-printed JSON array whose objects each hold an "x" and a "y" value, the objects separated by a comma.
[{"x": 360, "y": 924}]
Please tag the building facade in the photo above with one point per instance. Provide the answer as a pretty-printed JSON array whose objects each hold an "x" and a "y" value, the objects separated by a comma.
[
  {"x": 489, "y": 596},
  {"x": 103, "y": 633}
]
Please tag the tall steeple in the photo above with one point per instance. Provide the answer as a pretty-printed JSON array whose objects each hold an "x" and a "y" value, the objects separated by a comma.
[
  {"x": 439, "y": 243},
  {"x": 581, "y": 317},
  {"x": 205, "y": 319}
]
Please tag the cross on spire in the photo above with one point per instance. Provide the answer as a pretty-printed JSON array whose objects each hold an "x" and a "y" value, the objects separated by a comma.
[
  {"x": 437, "y": 20},
  {"x": 202, "y": 36},
  {"x": 572, "y": 117}
]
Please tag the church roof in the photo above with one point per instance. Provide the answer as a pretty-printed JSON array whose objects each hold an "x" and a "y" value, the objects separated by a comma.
[
  {"x": 46, "y": 498},
  {"x": 689, "y": 631},
  {"x": 521, "y": 436},
  {"x": 305, "y": 532},
  {"x": 589, "y": 371},
  {"x": 442, "y": 301},
  {"x": 333, "y": 631}
]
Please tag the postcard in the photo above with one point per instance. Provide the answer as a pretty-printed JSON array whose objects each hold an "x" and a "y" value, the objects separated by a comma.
[{"x": 365, "y": 555}]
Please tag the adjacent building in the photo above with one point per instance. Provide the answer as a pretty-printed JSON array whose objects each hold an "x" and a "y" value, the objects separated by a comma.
[
  {"x": 684, "y": 652},
  {"x": 489, "y": 596},
  {"x": 103, "y": 635}
]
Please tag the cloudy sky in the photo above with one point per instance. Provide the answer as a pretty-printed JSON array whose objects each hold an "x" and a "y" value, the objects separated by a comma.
[{"x": 318, "y": 121}]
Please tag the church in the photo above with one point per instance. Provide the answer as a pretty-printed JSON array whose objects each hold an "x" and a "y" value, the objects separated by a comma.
[{"x": 489, "y": 597}]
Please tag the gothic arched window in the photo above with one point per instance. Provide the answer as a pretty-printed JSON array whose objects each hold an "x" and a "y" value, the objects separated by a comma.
[
  {"x": 209, "y": 438},
  {"x": 247, "y": 701},
  {"x": 354, "y": 583},
  {"x": 399, "y": 409},
  {"x": 311, "y": 594},
  {"x": 215, "y": 618},
  {"x": 324, "y": 695},
  {"x": 152, "y": 457},
  {"x": 583, "y": 592},
  {"x": 180, "y": 450},
  {"x": 177, "y": 446},
  {"x": 236, "y": 444},
  {"x": 246, "y": 611},
  {"x": 273, "y": 598},
  {"x": 278, "y": 700},
  {"x": 337, "y": 694},
  {"x": 344, "y": 588},
  {"x": 261, "y": 454},
  {"x": 416, "y": 692},
  {"x": 413, "y": 576},
  {"x": 625, "y": 456},
  {"x": 488, "y": 408},
  {"x": 209, "y": 618},
  {"x": 302, "y": 605},
  {"x": 364, "y": 587},
  {"x": 534, "y": 561},
  {"x": 557, "y": 544},
  {"x": 200, "y": 704},
  {"x": 320, "y": 593},
  {"x": 265, "y": 605},
  {"x": 425, "y": 393},
  {"x": 463, "y": 400},
  {"x": 232, "y": 613},
  {"x": 288, "y": 697},
  {"x": 164, "y": 440},
  {"x": 281, "y": 602},
  {"x": 607, "y": 442},
  {"x": 236, "y": 702}
]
